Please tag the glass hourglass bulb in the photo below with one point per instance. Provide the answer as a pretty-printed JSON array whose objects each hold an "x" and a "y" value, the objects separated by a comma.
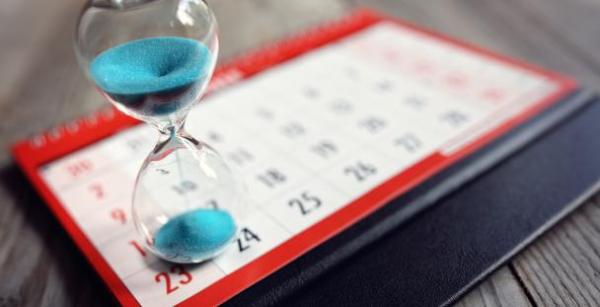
[{"x": 153, "y": 59}]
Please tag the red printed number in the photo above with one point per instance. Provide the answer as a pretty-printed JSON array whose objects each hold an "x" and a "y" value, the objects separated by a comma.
[
  {"x": 119, "y": 216},
  {"x": 184, "y": 278},
  {"x": 79, "y": 167},
  {"x": 138, "y": 247},
  {"x": 98, "y": 191}
]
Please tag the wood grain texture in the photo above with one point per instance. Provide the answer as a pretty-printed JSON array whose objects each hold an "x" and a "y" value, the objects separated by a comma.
[
  {"x": 41, "y": 86},
  {"x": 563, "y": 268},
  {"x": 499, "y": 290}
]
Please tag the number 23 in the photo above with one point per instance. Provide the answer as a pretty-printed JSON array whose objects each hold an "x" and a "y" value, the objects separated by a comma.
[{"x": 186, "y": 277}]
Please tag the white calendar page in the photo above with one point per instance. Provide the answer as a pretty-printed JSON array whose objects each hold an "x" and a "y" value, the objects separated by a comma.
[{"x": 386, "y": 106}]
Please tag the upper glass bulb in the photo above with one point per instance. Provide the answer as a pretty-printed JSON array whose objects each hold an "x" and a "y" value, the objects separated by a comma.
[{"x": 153, "y": 60}]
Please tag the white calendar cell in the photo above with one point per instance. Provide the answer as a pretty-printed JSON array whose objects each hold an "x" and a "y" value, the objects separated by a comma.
[
  {"x": 535, "y": 92},
  {"x": 126, "y": 255},
  {"x": 179, "y": 193},
  {"x": 464, "y": 61},
  {"x": 131, "y": 167},
  {"x": 371, "y": 125},
  {"x": 497, "y": 92},
  {"x": 408, "y": 145},
  {"x": 258, "y": 234},
  {"x": 319, "y": 152},
  {"x": 406, "y": 100},
  {"x": 213, "y": 105},
  {"x": 340, "y": 110},
  {"x": 313, "y": 92},
  {"x": 165, "y": 284},
  {"x": 359, "y": 114},
  {"x": 221, "y": 102},
  {"x": 538, "y": 92},
  {"x": 218, "y": 132},
  {"x": 108, "y": 222},
  {"x": 261, "y": 85},
  {"x": 273, "y": 177},
  {"x": 360, "y": 172},
  {"x": 96, "y": 191},
  {"x": 455, "y": 118},
  {"x": 284, "y": 78},
  {"x": 292, "y": 132},
  {"x": 247, "y": 154},
  {"x": 134, "y": 143},
  {"x": 362, "y": 74},
  {"x": 265, "y": 114},
  {"x": 257, "y": 91},
  {"x": 260, "y": 118},
  {"x": 303, "y": 206},
  {"x": 506, "y": 75},
  {"x": 72, "y": 169},
  {"x": 439, "y": 113}
]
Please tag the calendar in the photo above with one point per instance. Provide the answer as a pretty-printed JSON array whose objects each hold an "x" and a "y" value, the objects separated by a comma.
[{"x": 324, "y": 128}]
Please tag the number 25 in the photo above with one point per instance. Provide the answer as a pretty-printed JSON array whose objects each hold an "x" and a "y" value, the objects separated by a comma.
[{"x": 306, "y": 203}]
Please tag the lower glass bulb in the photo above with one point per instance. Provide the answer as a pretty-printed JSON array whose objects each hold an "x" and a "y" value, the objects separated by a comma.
[{"x": 187, "y": 203}]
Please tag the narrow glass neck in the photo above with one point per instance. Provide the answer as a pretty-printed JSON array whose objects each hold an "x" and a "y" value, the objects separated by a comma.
[
  {"x": 170, "y": 130},
  {"x": 168, "y": 126},
  {"x": 172, "y": 138}
]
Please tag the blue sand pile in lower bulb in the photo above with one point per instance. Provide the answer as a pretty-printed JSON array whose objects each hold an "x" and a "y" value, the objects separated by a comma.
[
  {"x": 158, "y": 66},
  {"x": 195, "y": 235}
]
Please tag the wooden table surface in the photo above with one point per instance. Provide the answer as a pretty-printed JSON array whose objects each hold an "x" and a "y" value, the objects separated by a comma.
[{"x": 40, "y": 86}]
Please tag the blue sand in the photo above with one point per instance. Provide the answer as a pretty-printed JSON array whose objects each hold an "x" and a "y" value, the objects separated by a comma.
[
  {"x": 195, "y": 235},
  {"x": 150, "y": 65}
]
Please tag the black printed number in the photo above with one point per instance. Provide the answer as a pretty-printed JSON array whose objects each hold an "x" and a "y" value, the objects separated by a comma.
[
  {"x": 454, "y": 118},
  {"x": 245, "y": 239},
  {"x": 324, "y": 149},
  {"x": 293, "y": 130},
  {"x": 341, "y": 106},
  {"x": 409, "y": 142},
  {"x": 272, "y": 177},
  {"x": 185, "y": 187},
  {"x": 372, "y": 124},
  {"x": 135, "y": 144},
  {"x": 240, "y": 156},
  {"x": 306, "y": 203},
  {"x": 360, "y": 171},
  {"x": 212, "y": 204}
]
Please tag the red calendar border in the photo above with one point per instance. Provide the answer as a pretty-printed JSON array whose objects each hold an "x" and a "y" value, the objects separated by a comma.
[{"x": 33, "y": 153}]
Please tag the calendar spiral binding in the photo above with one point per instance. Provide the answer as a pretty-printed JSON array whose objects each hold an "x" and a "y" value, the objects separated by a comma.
[{"x": 108, "y": 120}]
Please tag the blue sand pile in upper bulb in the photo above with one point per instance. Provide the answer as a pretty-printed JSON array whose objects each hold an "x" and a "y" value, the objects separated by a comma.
[
  {"x": 195, "y": 235},
  {"x": 150, "y": 65}
]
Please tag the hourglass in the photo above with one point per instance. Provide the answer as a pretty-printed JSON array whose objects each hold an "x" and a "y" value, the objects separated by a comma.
[{"x": 153, "y": 60}]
